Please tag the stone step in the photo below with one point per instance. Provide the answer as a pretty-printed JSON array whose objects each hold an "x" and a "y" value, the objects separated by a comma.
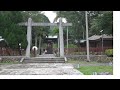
[{"x": 44, "y": 60}]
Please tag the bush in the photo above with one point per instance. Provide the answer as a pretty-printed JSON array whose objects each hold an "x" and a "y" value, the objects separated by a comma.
[{"x": 109, "y": 52}]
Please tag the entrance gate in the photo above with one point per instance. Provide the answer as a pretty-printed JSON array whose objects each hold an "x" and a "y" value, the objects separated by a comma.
[{"x": 29, "y": 25}]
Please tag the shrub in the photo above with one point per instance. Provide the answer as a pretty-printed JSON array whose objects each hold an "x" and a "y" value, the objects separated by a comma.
[{"x": 109, "y": 52}]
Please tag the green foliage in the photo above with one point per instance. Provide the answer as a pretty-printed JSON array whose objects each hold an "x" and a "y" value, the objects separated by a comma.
[
  {"x": 104, "y": 22},
  {"x": 71, "y": 46},
  {"x": 77, "y": 18},
  {"x": 37, "y": 16},
  {"x": 13, "y": 33},
  {"x": 10, "y": 31},
  {"x": 55, "y": 31},
  {"x": 97, "y": 20},
  {"x": 109, "y": 52}
]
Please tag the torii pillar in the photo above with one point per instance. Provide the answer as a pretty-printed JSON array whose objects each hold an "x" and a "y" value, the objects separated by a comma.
[
  {"x": 29, "y": 36},
  {"x": 61, "y": 38}
]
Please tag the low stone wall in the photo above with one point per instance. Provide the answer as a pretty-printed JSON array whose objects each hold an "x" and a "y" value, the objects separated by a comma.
[{"x": 97, "y": 58}]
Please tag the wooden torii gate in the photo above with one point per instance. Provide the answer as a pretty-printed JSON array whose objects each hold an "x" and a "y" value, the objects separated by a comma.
[{"x": 29, "y": 25}]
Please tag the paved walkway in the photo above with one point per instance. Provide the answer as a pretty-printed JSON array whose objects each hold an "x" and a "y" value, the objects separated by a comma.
[
  {"x": 39, "y": 69},
  {"x": 47, "y": 55}
]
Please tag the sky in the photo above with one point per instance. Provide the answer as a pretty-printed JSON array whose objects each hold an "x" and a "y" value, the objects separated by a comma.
[{"x": 51, "y": 15}]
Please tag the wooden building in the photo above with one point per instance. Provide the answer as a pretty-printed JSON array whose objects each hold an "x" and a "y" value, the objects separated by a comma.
[
  {"x": 95, "y": 41},
  {"x": 50, "y": 40}
]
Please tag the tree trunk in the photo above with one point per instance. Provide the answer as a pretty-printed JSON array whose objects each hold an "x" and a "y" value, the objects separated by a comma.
[{"x": 39, "y": 48}]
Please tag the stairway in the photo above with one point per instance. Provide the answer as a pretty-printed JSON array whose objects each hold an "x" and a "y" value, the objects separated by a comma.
[{"x": 44, "y": 60}]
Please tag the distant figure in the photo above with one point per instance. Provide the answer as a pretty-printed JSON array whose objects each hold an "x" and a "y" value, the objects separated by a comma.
[
  {"x": 49, "y": 49},
  {"x": 55, "y": 51},
  {"x": 44, "y": 51},
  {"x": 35, "y": 49}
]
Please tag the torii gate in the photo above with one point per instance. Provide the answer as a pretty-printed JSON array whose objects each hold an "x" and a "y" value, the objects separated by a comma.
[{"x": 29, "y": 25}]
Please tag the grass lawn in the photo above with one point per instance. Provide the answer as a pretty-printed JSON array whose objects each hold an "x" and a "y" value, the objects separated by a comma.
[
  {"x": 84, "y": 63},
  {"x": 88, "y": 70}
]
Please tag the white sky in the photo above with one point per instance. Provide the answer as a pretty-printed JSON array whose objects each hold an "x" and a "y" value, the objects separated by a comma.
[{"x": 51, "y": 15}]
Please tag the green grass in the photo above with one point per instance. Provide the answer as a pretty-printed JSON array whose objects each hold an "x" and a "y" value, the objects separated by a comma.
[
  {"x": 71, "y": 46},
  {"x": 2, "y": 63},
  {"x": 88, "y": 70}
]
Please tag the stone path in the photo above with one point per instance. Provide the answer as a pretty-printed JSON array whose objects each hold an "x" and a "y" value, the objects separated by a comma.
[
  {"x": 46, "y": 55},
  {"x": 39, "y": 69}
]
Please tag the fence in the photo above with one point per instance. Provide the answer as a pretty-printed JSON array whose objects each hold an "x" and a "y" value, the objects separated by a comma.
[
  {"x": 82, "y": 51},
  {"x": 11, "y": 52},
  {"x": 79, "y": 51}
]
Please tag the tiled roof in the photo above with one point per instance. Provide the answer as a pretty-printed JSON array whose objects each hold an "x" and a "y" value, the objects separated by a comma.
[
  {"x": 96, "y": 37},
  {"x": 107, "y": 36}
]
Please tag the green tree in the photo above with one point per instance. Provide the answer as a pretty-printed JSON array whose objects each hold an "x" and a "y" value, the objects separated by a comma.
[
  {"x": 103, "y": 21},
  {"x": 98, "y": 20},
  {"x": 9, "y": 28},
  {"x": 77, "y": 18}
]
